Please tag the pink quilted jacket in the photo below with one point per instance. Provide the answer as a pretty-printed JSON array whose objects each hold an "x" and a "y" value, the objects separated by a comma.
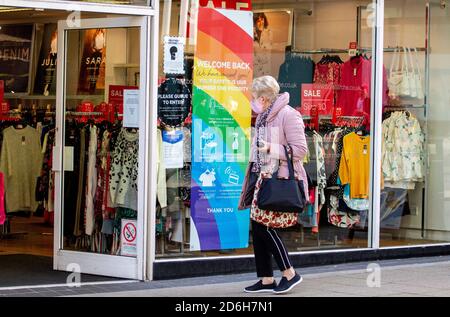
[{"x": 285, "y": 126}]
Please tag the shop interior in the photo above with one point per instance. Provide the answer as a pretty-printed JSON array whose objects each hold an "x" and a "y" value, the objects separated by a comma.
[
  {"x": 100, "y": 65},
  {"x": 308, "y": 42}
]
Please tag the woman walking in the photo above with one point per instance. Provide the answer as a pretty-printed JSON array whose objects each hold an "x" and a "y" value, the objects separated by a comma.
[{"x": 278, "y": 126}]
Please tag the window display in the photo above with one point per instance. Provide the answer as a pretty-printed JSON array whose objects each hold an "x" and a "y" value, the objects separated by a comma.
[
  {"x": 100, "y": 155},
  {"x": 337, "y": 128},
  {"x": 415, "y": 126}
]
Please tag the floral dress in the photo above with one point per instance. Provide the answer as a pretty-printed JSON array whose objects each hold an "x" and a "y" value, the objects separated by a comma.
[{"x": 269, "y": 218}]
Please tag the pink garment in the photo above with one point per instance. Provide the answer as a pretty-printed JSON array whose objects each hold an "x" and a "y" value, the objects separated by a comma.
[
  {"x": 355, "y": 87},
  {"x": 285, "y": 126},
  {"x": 2, "y": 200},
  {"x": 312, "y": 195}
]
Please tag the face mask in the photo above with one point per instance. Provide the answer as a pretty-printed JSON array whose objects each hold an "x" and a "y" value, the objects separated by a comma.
[{"x": 257, "y": 106}]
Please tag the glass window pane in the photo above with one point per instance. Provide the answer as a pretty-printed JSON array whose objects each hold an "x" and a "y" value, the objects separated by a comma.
[
  {"x": 101, "y": 141},
  {"x": 415, "y": 127},
  {"x": 328, "y": 85}
]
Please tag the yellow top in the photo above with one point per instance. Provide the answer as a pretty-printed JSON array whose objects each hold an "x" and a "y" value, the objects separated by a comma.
[{"x": 355, "y": 165}]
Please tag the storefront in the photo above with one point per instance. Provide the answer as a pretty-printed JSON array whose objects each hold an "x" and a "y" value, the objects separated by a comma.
[
  {"x": 77, "y": 86},
  {"x": 369, "y": 79},
  {"x": 139, "y": 117}
]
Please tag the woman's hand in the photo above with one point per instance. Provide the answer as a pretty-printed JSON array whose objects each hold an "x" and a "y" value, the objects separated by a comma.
[{"x": 264, "y": 147}]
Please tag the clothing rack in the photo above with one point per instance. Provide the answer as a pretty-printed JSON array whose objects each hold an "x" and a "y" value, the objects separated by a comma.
[
  {"x": 403, "y": 107},
  {"x": 80, "y": 113},
  {"x": 345, "y": 51},
  {"x": 321, "y": 51}
]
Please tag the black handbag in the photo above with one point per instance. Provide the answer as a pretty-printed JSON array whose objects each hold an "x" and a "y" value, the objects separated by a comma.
[
  {"x": 282, "y": 195},
  {"x": 250, "y": 190}
]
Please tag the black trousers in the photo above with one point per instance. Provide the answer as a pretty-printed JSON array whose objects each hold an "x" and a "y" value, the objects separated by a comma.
[{"x": 267, "y": 243}]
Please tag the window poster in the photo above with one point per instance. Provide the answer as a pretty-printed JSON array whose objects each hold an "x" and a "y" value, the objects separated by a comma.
[
  {"x": 93, "y": 61},
  {"x": 220, "y": 128},
  {"x": 45, "y": 82},
  {"x": 16, "y": 42}
]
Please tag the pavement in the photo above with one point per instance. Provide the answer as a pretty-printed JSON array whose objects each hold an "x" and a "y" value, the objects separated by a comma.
[{"x": 414, "y": 277}]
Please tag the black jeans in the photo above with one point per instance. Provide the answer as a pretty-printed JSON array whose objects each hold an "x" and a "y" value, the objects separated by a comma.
[{"x": 267, "y": 243}]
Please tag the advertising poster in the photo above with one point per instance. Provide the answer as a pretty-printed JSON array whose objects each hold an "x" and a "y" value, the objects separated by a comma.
[
  {"x": 92, "y": 66},
  {"x": 45, "y": 83},
  {"x": 272, "y": 33},
  {"x": 15, "y": 56},
  {"x": 174, "y": 55},
  {"x": 221, "y": 117}
]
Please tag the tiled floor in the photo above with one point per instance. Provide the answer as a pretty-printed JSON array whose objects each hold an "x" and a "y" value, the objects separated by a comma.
[{"x": 409, "y": 277}]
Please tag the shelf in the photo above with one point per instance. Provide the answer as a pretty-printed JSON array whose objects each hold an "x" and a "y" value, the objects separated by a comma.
[
  {"x": 405, "y": 106},
  {"x": 127, "y": 66},
  {"x": 344, "y": 51}
]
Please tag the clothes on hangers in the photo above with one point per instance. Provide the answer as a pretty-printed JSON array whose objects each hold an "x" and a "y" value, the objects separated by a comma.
[
  {"x": 20, "y": 162},
  {"x": 91, "y": 180},
  {"x": 2, "y": 199},
  {"x": 328, "y": 70},
  {"x": 354, "y": 90},
  {"x": 355, "y": 164},
  {"x": 295, "y": 71},
  {"x": 161, "y": 172},
  {"x": 403, "y": 151},
  {"x": 124, "y": 170}
]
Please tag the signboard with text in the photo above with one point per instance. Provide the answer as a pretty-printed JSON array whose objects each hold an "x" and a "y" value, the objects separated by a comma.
[
  {"x": 227, "y": 4},
  {"x": 16, "y": 42},
  {"x": 115, "y": 97},
  {"x": 223, "y": 74},
  {"x": 317, "y": 99}
]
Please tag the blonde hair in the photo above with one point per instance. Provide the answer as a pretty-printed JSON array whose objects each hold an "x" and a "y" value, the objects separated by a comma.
[{"x": 266, "y": 86}]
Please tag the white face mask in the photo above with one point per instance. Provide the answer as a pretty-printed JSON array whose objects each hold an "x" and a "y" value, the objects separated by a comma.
[{"x": 257, "y": 106}]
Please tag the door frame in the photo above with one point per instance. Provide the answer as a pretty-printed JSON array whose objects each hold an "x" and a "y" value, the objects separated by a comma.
[{"x": 93, "y": 263}]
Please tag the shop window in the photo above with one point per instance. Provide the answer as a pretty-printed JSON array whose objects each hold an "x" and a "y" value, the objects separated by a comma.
[
  {"x": 415, "y": 126},
  {"x": 320, "y": 53}
]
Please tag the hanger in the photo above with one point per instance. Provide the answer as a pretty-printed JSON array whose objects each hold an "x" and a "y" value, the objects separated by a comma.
[
  {"x": 20, "y": 124},
  {"x": 132, "y": 130}
]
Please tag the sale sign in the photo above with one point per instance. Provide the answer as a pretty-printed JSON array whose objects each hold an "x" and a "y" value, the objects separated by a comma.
[
  {"x": 353, "y": 48},
  {"x": 317, "y": 99},
  {"x": 115, "y": 97},
  {"x": 228, "y": 4}
]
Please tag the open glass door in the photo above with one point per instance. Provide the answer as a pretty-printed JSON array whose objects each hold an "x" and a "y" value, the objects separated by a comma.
[{"x": 100, "y": 147}]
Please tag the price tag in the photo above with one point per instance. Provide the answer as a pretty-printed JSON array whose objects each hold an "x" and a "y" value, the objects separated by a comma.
[{"x": 353, "y": 49}]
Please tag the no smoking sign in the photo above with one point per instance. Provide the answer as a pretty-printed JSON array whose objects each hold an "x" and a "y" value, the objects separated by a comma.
[{"x": 128, "y": 238}]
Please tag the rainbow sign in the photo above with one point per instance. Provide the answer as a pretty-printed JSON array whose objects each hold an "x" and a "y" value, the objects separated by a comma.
[{"x": 223, "y": 73}]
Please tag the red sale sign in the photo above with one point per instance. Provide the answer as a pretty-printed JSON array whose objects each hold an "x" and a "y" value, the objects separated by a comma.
[
  {"x": 116, "y": 97},
  {"x": 228, "y": 4},
  {"x": 317, "y": 100}
]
